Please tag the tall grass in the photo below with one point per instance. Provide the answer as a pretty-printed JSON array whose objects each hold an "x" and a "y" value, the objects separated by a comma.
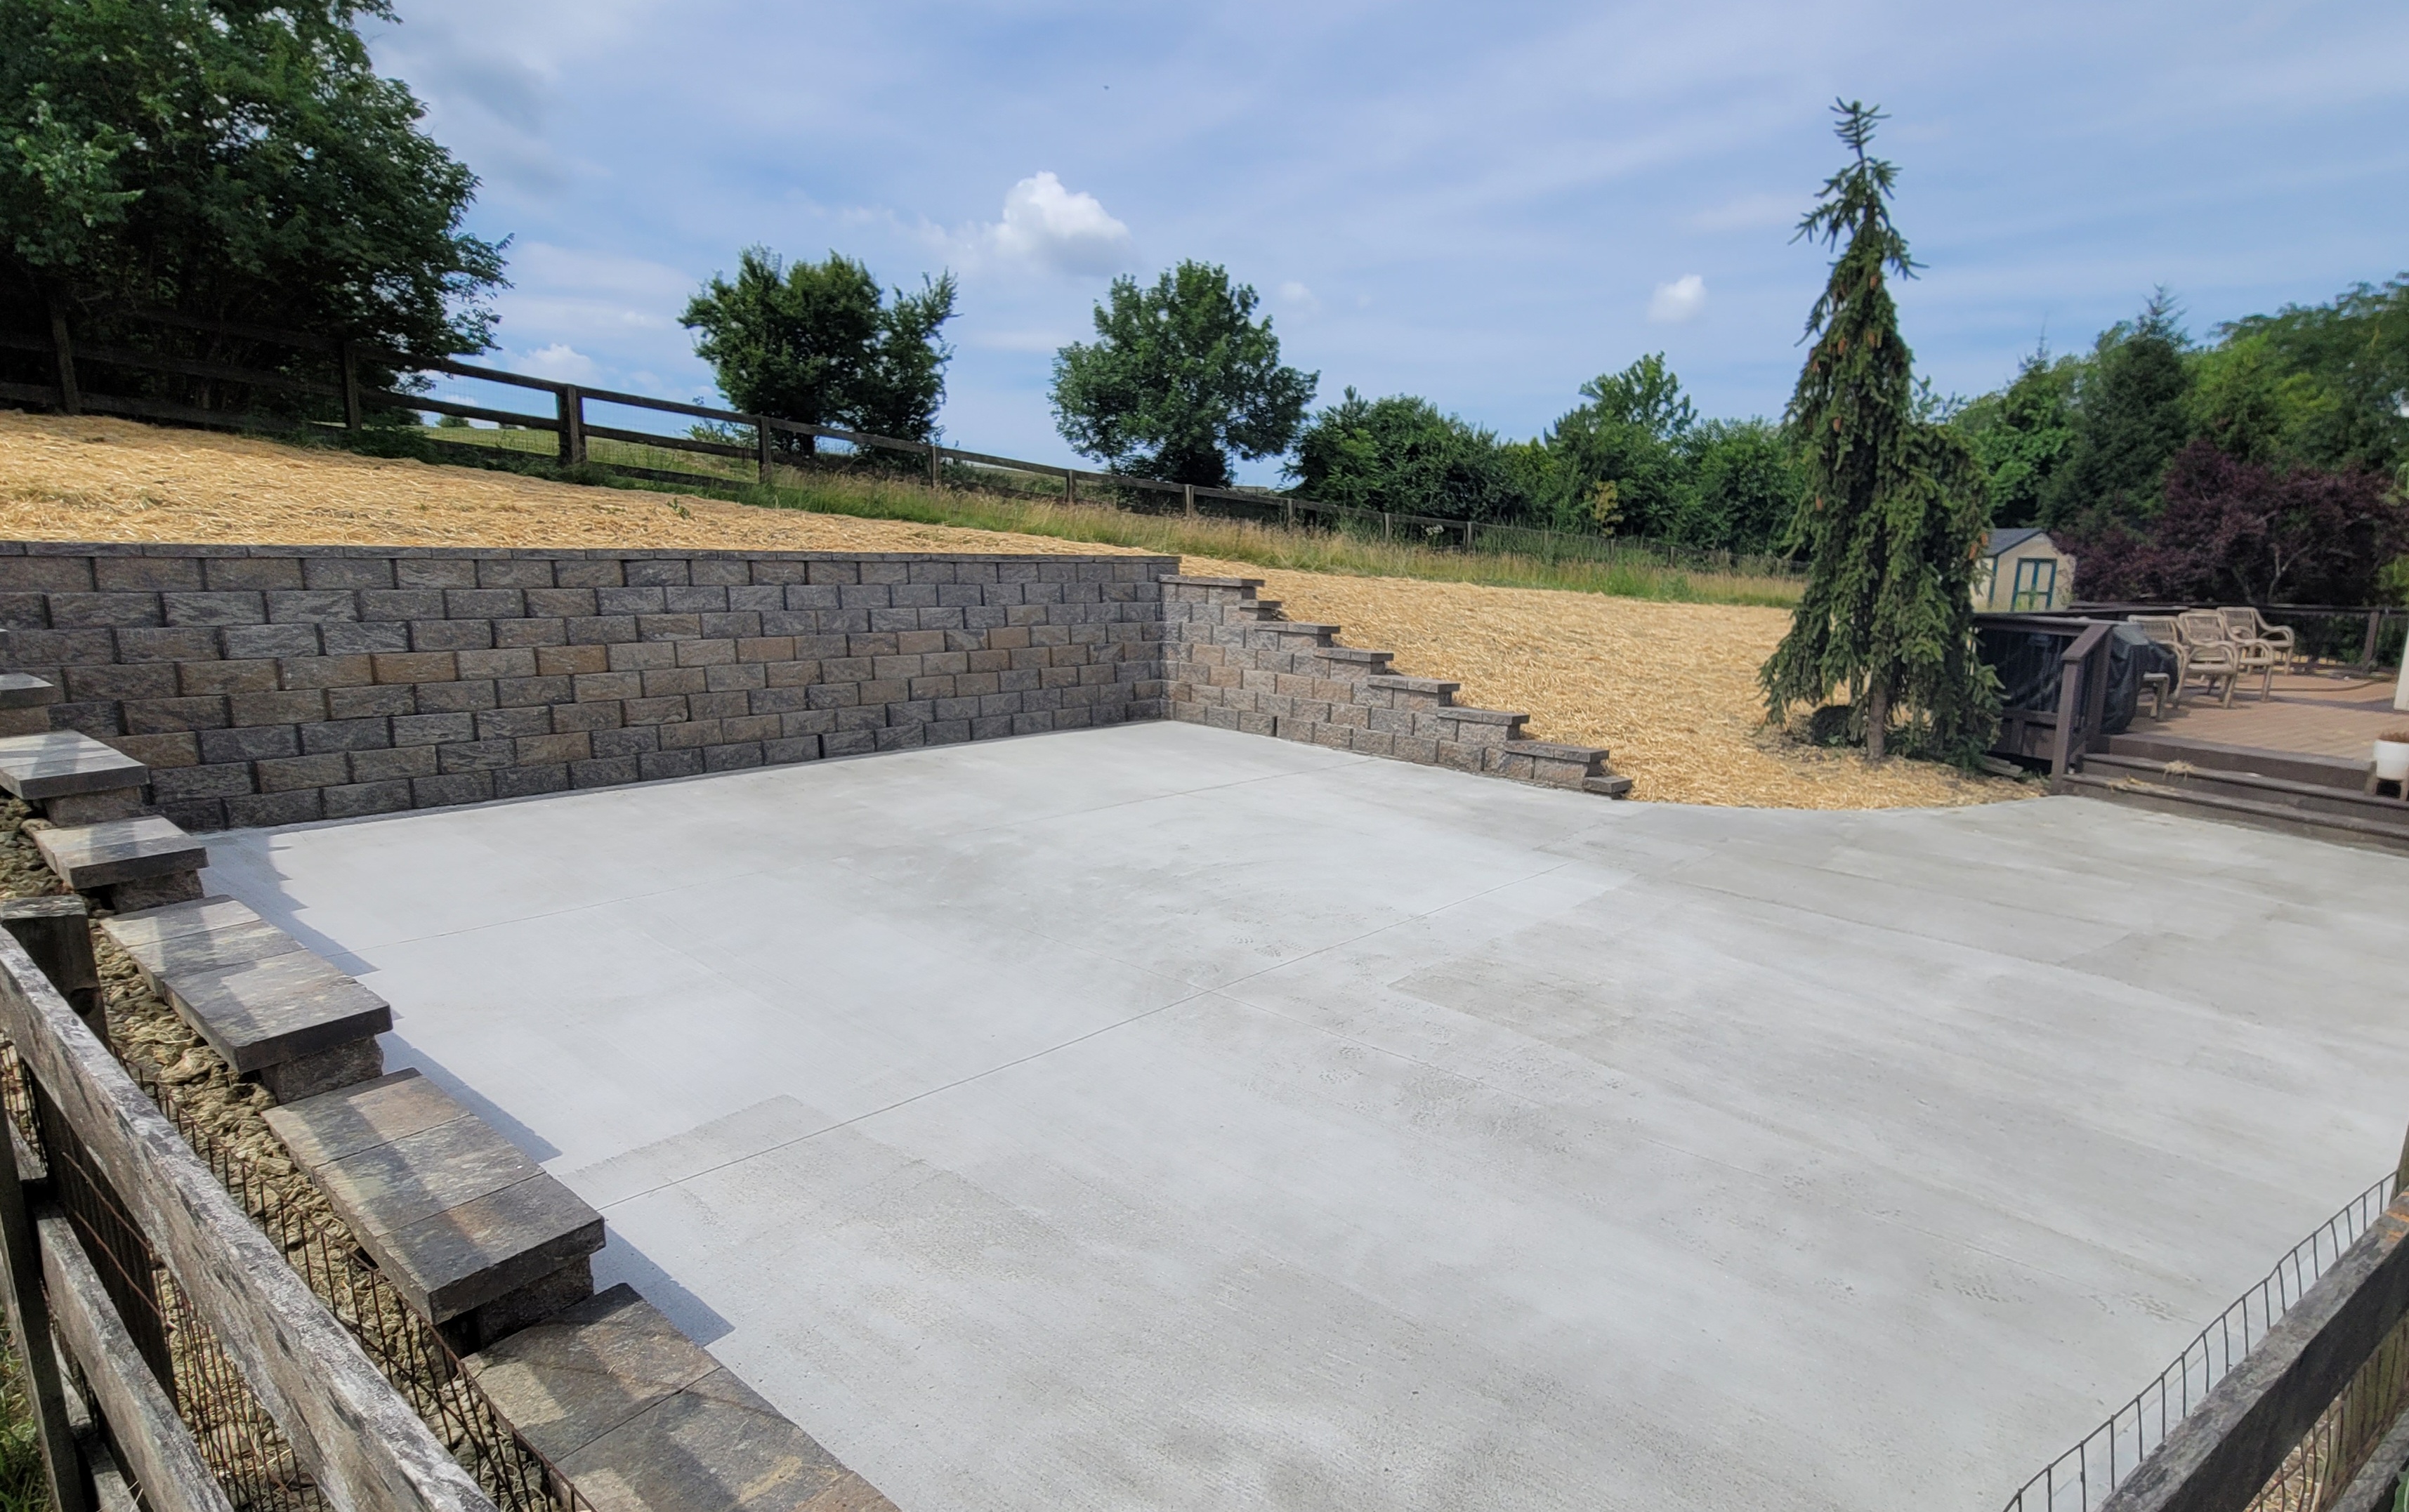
[{"x": 983, "y": 499}]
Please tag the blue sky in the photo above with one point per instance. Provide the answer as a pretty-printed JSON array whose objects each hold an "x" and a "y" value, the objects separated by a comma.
[{"x": 1482, "y": 205}]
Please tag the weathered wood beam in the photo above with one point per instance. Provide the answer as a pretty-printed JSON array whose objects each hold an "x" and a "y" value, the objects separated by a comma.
[
  {"x": 351, "y": 1430},
  {"x": 2223, "y": 1455},
  {"x": 159, "y": 1448}
]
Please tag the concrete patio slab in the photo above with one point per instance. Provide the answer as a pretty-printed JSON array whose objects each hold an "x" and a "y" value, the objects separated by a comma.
[{"x": 1164, "y": 1117}]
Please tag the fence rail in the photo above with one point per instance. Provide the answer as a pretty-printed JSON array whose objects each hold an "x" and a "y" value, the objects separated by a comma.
[
  {"x": 179, "y": 1302},
  {"x": 773, "y": 442}
]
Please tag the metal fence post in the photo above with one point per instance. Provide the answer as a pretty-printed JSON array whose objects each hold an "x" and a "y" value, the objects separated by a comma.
[
  {"x": 1188, "y": 499},
  {"x": 936, "y": 458},
  {"x": 2374, "y": 623},
  {"x": 70, "y": 398}
]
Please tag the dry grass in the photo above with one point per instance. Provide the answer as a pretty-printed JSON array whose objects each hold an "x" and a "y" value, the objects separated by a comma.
[{"x": 1670, "y": 687}]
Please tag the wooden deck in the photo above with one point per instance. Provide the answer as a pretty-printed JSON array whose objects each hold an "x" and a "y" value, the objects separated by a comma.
[{"x": 2325, "y": 713}]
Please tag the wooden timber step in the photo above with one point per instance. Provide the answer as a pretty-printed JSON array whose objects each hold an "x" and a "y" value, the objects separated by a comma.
[
  {"x": 476, "y": 1236},
  {"x": 2285, "y": 818},
  {"x": 641, "y": 1418},
  {"x": 2313, "y": 796},
  {"x": 270, "y": 1008},
  {"x": 71, "y": 777},
  {"x": 2291, "y": 766},
  {"x": 138, "y": 863}
]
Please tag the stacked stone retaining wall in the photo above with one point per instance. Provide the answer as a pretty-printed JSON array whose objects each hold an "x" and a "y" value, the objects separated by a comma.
[{"x": 268, "y": 686}]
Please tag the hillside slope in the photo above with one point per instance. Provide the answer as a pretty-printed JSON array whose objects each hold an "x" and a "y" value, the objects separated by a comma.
[{"x": 1670, "y": 687}]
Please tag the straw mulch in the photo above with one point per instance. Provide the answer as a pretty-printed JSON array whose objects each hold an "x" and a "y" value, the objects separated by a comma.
[{"x": 1670, "y": 689}]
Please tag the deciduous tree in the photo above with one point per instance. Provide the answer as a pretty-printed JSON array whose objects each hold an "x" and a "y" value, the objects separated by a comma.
[
  {"x": 234, "y": 160},
  {"x": 818, "y": 342},
  {"x": 1180, "y": 378}
]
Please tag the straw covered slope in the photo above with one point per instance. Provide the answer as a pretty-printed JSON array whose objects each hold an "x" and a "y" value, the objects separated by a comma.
[{"x": 1670, "y": 688}]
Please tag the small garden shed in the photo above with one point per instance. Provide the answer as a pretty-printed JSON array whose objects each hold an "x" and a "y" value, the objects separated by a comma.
[{"x": 2022, "y": 569}]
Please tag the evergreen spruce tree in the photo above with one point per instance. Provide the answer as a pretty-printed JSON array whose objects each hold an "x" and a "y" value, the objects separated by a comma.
[{"x": 1893, "y": 514}]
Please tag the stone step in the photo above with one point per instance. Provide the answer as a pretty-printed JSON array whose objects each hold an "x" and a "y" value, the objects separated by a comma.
[
  {"x": 477, "y": 1237},
  {"x": 138, "y": 863},
  {"x": 270, "y": 1008},
  {"x": 641, "y": 1418},
  {"x": 71, "y": 777},
  {"x": 25, "y": 703}
]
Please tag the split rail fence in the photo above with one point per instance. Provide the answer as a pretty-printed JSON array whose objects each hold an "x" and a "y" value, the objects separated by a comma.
[
  {"x": 328, "y": 381},
  {"x": 173, "y": 1321}
]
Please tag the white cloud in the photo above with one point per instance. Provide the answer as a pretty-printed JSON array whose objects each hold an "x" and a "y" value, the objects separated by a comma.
[
  {"x": 1679, "y": 300},
  {"x": 1046, "y": 226},
  {"x": 1297, "y": 297},
  {"x": 561, "y": 363}
]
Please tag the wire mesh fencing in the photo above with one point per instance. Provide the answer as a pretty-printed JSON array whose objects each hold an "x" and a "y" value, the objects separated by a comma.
[
  {"x": 2081, "y": 1478},
  {"x": 238, "y": 1438}
]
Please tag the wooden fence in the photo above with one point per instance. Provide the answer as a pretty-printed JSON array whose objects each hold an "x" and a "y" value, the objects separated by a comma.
[
  {"x": 339, "y": 381},
  {"x": 83, "y": 1136}
]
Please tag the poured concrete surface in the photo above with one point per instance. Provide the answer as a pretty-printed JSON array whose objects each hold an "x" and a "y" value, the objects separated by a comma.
[{"x": 1162, "y": 1117}]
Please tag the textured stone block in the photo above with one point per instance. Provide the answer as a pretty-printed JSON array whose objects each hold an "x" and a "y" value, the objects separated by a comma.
[
  {"x": 53, "y": 763},
  {"x": 385, "y": 766},
  {"x": 266, "y": 1009},
  {"x": 455, "y": 1214},
  {"x": 642, "y": 1419},
  {"x": 20, "y": 690},
  {"x": 93, "y": 808},
  {"x": 264, "y": 809},
  {"x": 120, "y": 850},
  {"x": 254, "y": 742}
]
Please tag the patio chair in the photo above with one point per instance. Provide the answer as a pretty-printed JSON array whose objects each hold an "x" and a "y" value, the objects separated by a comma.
[
  {"x": 2247, "y": 624},
  {"x": 2216, "y": 652},
  {"x": 2164, "y": 691}
]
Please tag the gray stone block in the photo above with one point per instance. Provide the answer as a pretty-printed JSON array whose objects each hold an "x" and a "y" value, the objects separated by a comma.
[
  {"x": 255, "y": 743},
  {"x": 276, "y": 1008},
  {"x": 354, "y": 799},
  {"x": 205, "y": 934},
  {"x": 46, "y": 765},
  {"x": 20, "y": 690},
  {"x": 270, "y": 641},
  {"x": 641, "y": 1418},
  {"x": 260, "y": 810},
  {"x": 93, "y": 808},
  {"x": 454, "y": 1214},
  {"x": 152, "y": 892}
]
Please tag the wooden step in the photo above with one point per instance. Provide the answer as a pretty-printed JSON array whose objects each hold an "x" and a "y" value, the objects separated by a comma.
[
  {"x": 2313, "y": 796},
  {"x": 477, "y": 1237},
  {"x": 641, "y": 1418},
  {"x": 268, "y": 1006},
  {"x": 2290, "y": 766},
  {"x": 2283, "y": 818}
]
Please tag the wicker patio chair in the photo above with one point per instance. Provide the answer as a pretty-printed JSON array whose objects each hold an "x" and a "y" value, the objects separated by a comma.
[
  {"x": 2247, "y": 624},
  {"x": 2164, "y": 691},
  {"x": 2215, "y": 654}
]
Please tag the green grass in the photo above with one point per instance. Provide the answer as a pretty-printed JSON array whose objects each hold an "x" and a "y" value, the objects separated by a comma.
[
  {"x": 24, "y": 1487},
  {"x": 989, "y": 498}
]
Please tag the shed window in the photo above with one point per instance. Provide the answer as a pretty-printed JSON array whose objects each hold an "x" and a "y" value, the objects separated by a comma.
[{"x": 2036, "y": 583}]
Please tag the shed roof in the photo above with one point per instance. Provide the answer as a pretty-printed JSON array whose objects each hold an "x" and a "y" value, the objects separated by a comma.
[{"x": 1998, "y": 541}]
